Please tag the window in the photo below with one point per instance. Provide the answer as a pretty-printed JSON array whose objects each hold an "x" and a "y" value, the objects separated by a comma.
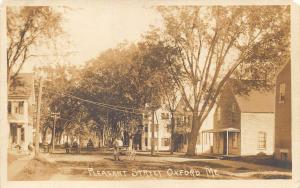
[
  {"x": 262, "y": 140},
  {"x": 281, "y": 93},
  {"x": 199, "y": 138},
  {"x": 185, "y": 139},
  {"x": 235, "y": 140},
  {"x": 9, "y": 107},
  {"x": 165, "y": 142},
  {"x": 13, "y": 133},
  {"x": 284, "y": 156},
  {"x": 22, "y": 134},
  {"x": 165, "y": 128},
  {"x": 190, "y": 120},
  {"x": 164, "y": 115},
  {"x": 185, "y": 119},
  {"x": 178, "y": 121},
  {"x": 168, "y": 128},
  {"x": 233, "y": 110},
  {"x": 146, "y": 116},
  {"x": 20, "y": 108}
]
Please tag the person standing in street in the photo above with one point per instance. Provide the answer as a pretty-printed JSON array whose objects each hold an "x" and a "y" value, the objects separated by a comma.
[{"x": 117, "y": 144}]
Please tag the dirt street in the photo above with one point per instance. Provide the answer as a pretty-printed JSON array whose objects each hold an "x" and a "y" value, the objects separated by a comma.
[{"x": 95, "y": 166}]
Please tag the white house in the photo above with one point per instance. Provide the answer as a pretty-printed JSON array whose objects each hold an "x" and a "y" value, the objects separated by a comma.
[
  {"x": 244, "y": 124},
  {"x": 21, "y": 102},
  {"x": 162, "y": 130}
]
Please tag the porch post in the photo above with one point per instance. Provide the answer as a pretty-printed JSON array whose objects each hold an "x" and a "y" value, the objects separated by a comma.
[
  {"x": 202, "y": 141},
  {"x": 143, "y": 139},
  {"x": 210, "y": 142},
  {"x": 227, "y": 143},
  {"x": 18, "y": 135}
]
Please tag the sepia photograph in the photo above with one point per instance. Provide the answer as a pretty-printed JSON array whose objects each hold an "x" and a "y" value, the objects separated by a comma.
[{"x": 110, "y": 91}]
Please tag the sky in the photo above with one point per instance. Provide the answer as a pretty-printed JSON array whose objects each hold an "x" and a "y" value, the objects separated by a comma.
[{"x": 94, "y": 27}]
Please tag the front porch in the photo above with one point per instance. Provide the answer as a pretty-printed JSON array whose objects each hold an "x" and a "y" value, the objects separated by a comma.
[
  {"x": 20, "y": 136},
  {"x": 226, "y": 141}
]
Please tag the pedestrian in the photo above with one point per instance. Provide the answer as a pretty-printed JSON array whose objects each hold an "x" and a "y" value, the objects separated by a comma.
[
  {"x": 90, "y": 145},
  {"x": 117, "y": 144},
  {"x": 75, "y": 147},
  {"x": 67, "y": 147}
]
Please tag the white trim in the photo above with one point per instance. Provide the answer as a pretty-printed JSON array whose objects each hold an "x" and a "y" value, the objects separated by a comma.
[{"x": 283, "y": 150}]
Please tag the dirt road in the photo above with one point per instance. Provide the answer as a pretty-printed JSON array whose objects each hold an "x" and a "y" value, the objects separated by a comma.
[{"x": 95, "y": 166}]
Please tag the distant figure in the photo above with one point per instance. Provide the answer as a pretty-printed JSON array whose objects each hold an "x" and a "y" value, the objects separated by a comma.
[
  {"x": 75, "y": 147},
  {"x": 30, "y": 147},
  {"x": 90, "y": 145},
  {"x": 46, "y": 146},
  {"x": 67, "y": 147},
  {"x": 132, "y": 154},
  {"x": 117, "y": 144}
]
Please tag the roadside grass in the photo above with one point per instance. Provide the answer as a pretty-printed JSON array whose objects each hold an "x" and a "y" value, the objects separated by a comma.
[
  {"x": 264, "y": 160},
  {"x": 11, "y": 158},
  {"x": 270, "y": 176},
  {"x": 36, "y": 169}
]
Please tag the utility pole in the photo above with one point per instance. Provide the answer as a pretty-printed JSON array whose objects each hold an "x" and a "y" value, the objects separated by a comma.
[
  {"x": 38, "y": 119},
  {"x": 55, "y": 115},
  {"x": 172, "y": 142}
]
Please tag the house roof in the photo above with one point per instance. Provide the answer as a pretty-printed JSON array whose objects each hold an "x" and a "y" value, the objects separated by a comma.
[
  {"x": 257, "y": 101},
  {"x": 284, "y": 68},
  {"x": 22, "y": 86}
]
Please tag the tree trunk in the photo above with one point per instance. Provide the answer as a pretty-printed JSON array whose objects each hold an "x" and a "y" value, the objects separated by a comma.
[
  {"x": 172, "y": 141},
  {"x": 152, "y": 134},
  {"x": 52, "y": 136},
  {"x": 100, "y": 138},
  {"x": 44, "y": 134},
  {"x": 192, "y": 139},
  {"x": 60, "y": 137}
]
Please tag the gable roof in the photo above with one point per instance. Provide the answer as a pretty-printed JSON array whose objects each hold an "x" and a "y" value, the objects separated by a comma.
[
  {"x": 182, "y": 107},
  {"x": 285, "y": 69},
  {"x": 257, "y": 101},
  {"x": 22, "y": 86}
]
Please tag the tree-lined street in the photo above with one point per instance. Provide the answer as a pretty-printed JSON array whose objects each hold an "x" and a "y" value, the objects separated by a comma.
[{"x": 154, "y": 93}]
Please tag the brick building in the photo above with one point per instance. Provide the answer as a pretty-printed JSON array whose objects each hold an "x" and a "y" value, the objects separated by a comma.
[{"x": 283, "y": 134}]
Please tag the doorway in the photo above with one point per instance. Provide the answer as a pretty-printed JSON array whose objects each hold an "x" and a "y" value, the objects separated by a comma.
[{"x": 225, "y": 143}]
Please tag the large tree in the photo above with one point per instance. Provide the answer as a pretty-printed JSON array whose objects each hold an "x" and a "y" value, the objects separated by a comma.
[
  {"x": 159, "y": 56},
  {"x": 216, "y": 42},
  {"x": 27, "y": 28},
  {"x": 59, "y": 79},
  {"x": 121, "y": 80}
]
